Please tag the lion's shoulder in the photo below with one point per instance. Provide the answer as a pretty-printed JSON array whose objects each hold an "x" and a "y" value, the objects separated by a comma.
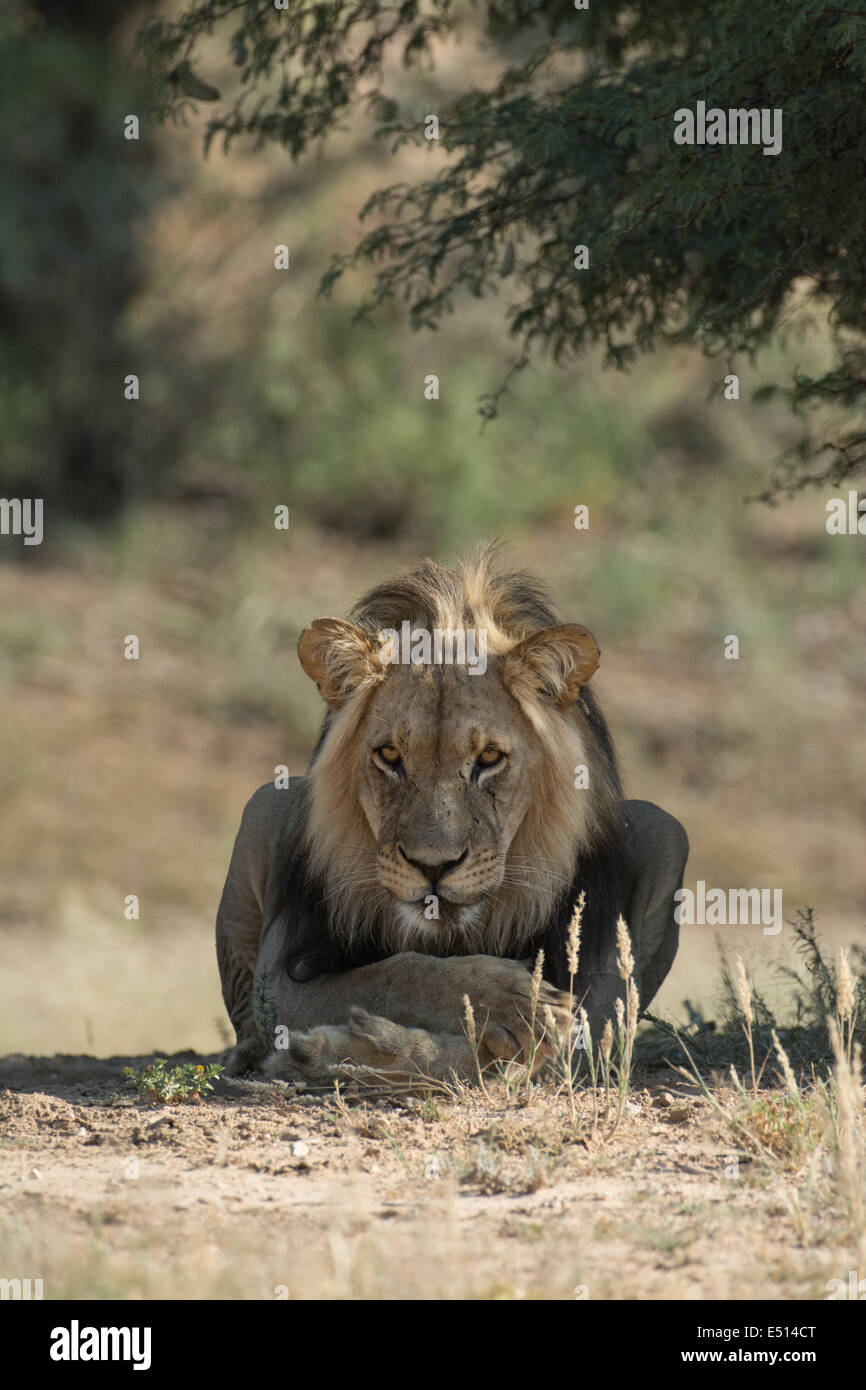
[
  {"x": 272, "y": 826},
  {"x": 272, "y": 809}
]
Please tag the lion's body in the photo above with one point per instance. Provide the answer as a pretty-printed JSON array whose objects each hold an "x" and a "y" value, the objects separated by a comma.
[{"x": 440, "y": 838}]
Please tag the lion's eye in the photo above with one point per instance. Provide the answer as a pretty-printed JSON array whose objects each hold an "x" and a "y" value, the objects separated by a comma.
[
  {"x": 490, "y": 757},
  {"x": 389, "y": 754}
]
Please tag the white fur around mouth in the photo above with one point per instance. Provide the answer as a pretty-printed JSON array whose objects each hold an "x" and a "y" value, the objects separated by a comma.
[{"x": 411, "y": 916}]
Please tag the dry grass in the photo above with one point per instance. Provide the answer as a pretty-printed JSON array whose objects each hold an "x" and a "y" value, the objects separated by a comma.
[{"x": 809, "y": 1135}]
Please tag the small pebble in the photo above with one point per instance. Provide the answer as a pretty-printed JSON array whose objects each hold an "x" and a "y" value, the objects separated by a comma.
[{"x": 300, "y": 1149}]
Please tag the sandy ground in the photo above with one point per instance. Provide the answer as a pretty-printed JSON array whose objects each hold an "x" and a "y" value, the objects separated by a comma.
[{"x": 261, "y": 1192}]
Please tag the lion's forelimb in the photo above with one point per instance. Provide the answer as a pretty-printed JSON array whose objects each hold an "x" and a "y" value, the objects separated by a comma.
[{"x": 422, "y": 994}]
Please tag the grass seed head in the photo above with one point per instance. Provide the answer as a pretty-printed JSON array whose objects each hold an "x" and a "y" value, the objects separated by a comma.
[
  {"x": 845, "y": 995},
  {"x": 572, "y": 948},
  {"x": 787, "y": 1069},
  {"x": 469, "y": 1016},
  {"x": 624, "y": 957},
  {"x": 537, "y": 976},
  {"x": 633, "y": 1005}
]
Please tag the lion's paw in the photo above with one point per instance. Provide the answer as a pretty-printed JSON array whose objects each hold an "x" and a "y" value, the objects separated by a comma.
[
  {"x": 371, "y": 1042},
  {"x": 365, "y": 1041},
  {"x": 244, "y": 1057},
  {"x": 509, "y": 1022}
]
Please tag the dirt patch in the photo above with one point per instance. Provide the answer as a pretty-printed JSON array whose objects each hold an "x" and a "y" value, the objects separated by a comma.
[{"x": 260, "y": 1191}]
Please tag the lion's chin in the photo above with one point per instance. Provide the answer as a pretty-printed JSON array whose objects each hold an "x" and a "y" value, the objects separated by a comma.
[{"x": 412, "y": 919}]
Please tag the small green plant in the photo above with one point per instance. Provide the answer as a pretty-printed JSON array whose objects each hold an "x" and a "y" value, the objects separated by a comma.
[
  {"x": 173, "y": 1085},
  {"x": 782, "y": 1124}
]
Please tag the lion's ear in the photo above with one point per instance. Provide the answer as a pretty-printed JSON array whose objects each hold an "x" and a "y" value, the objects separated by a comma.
[
  {"x": 338, "y": 657},
  {"x": 555, "y": 663}
]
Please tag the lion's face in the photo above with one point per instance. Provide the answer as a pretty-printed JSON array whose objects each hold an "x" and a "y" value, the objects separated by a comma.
[
  {"x": 448, "y": 769},
  {"x": 442, "y": 798}
]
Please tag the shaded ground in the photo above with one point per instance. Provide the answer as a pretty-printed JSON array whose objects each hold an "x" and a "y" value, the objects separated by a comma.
[{"x": 259, "y": 1192}]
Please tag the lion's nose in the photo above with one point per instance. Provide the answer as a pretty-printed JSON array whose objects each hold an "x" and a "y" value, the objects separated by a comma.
[{"x": 432, "y": 869}]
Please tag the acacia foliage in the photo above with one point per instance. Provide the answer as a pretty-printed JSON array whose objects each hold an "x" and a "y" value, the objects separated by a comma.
[{"x": 572, "y": 143}]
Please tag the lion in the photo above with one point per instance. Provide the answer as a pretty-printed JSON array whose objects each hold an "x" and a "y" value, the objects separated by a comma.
[{"x": 452, "y": 814}]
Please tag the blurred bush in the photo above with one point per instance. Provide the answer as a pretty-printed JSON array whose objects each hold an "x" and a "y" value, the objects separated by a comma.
[{"x": 121, "y": 257}]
